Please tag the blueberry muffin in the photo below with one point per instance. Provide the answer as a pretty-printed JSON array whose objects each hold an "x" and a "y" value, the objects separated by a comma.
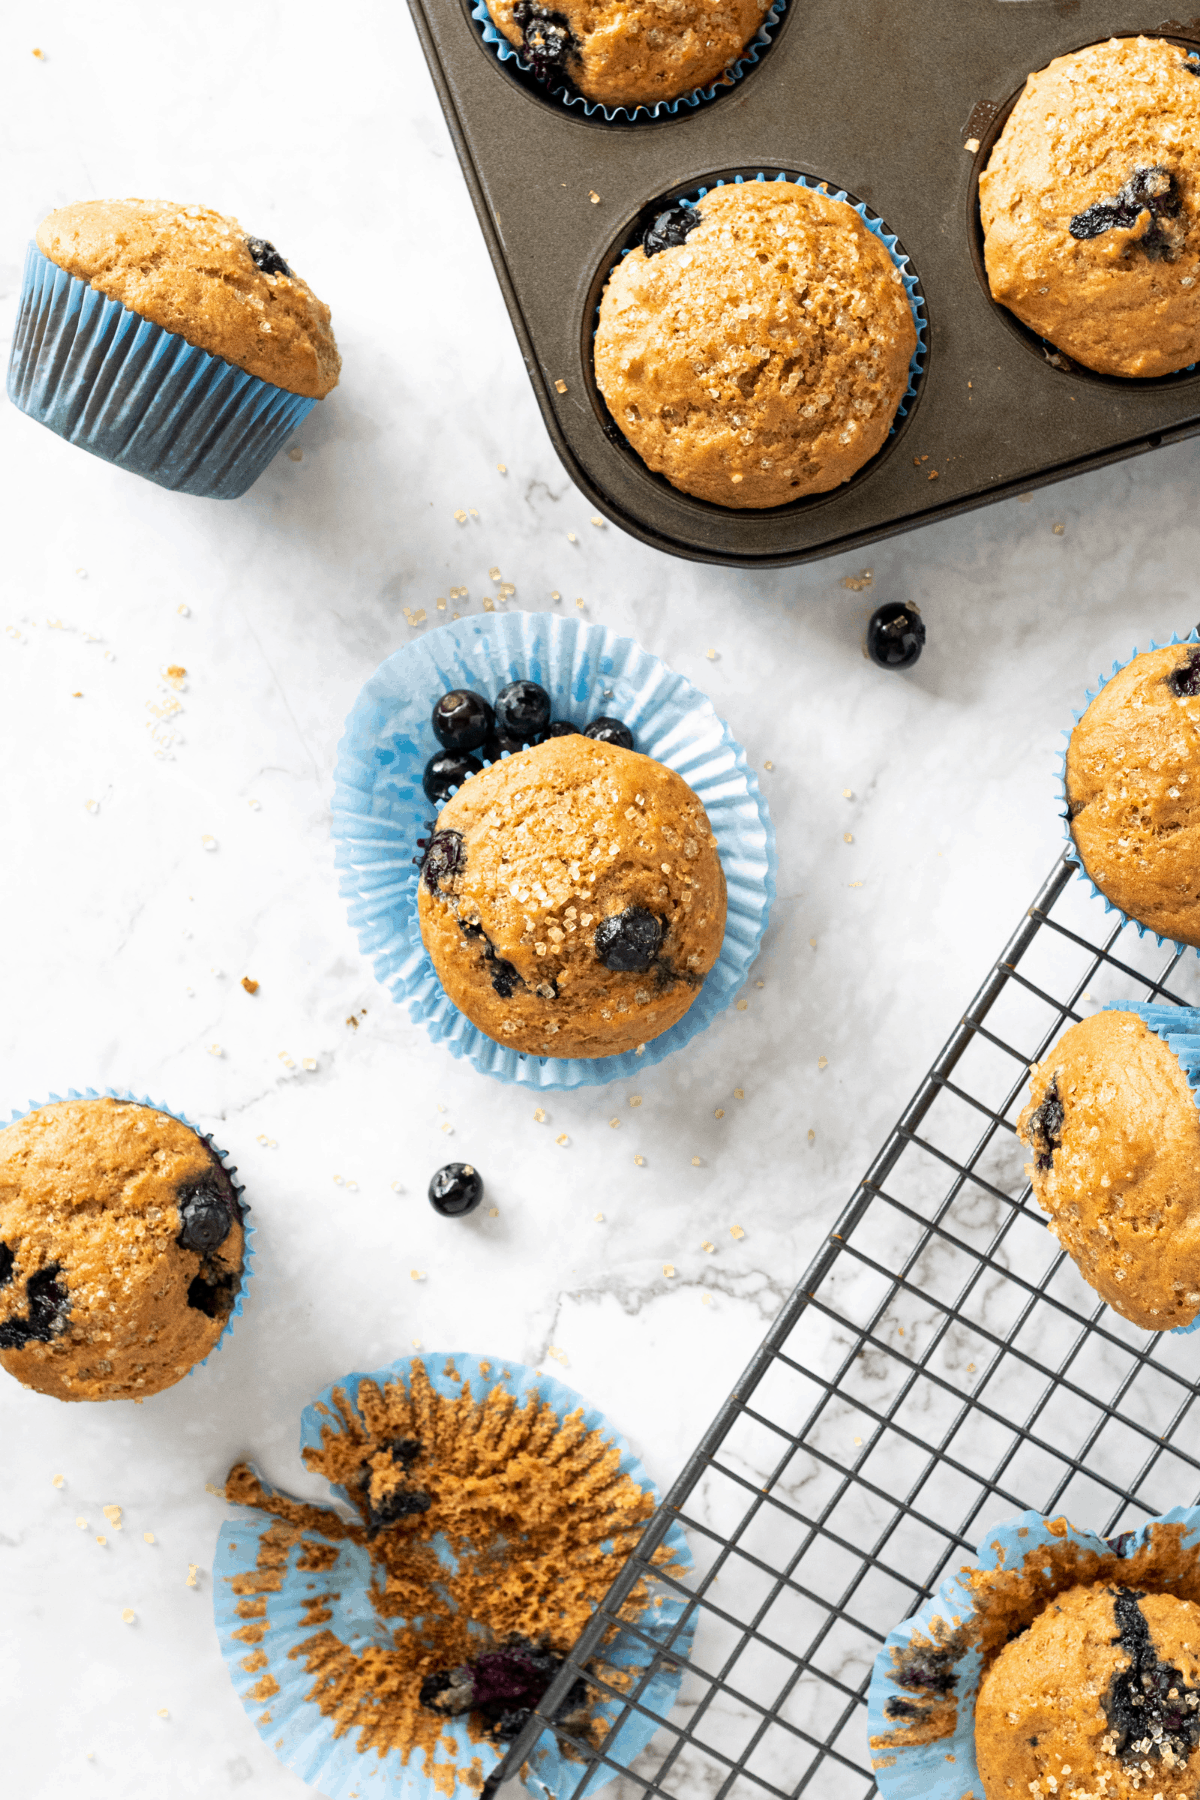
[
  {"x": 629, "y": 55},
  {"x": 572, "y": 899},
  {"x": 1099, "y": 1696},
  {"x": 121, "y": 1249},
  {"x": 754, "y": 348},
  {"x": 1132, "y": 775},
  {"x": 197, "y": 273},
  {"x": 1091, "y": 207},
  {"x": 1115, "y": 1133}
]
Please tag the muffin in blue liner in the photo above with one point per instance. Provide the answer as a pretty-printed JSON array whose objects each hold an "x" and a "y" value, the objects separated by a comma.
[
  {"x": 134, "y": 394},
  {"x": 296, "y": 1587},
  {"x": 1071, "y": 850},
  {"x": 569, "y": 96},
  {"x": 248, "y": 1230},
  {"x": 380, "y": 810},
  {"x": 922, "y": 1695}
]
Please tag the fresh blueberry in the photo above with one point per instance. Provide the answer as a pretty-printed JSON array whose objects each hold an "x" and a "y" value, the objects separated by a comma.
[
  {"x": 670, "y": 227},
  {"x": 455, "y": 1190},
  {"x": 499, "y": 743},
  {"x": 628, "y": 941},
  {"x": 447, "y": 770},
  {"x": 522, "y": 712},
  {"x": 562, "y": 728},
  {"x": 546, "y": 37},
  {"x": 444, "y": 856},
  {"x": 48, "y": 1307},
  {"x": 895, "y": 635},
  {"x": 204, "y": 1216},
  {"x": 1184, "y": 682},
  {"x": 610, "y": 731},
  {"x": 266, "y": 257},
  {"x": 462, "y": 720}
]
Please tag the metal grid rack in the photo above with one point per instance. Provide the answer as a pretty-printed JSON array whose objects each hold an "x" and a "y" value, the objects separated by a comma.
[{"x": 941, "y": 1360}]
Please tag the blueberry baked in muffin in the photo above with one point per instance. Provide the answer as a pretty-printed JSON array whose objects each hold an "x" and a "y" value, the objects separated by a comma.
[
  {"x": 1091, "y": 207},
  {"x": 121, "y": 1249},
  {"x": 572, "y": 898}
]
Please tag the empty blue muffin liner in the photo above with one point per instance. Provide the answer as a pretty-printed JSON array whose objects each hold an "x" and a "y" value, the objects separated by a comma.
[
  {"x": 626, "y": 115},
  {"x": 294, "y": 1726},
  {"x": 137, "y": 395},
  {"x": 221, "y": 1155},
  {"x": 946, "y": 1768},
  {"x": 380, "y": 810},
  {"x": 1072, "y": 852}
]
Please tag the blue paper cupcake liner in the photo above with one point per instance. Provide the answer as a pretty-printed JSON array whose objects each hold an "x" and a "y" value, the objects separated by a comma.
[
  {"x": 946, "y": 1767},
  {"x": 1072, "y": 851},
  {"x": 205, "y": 1138},
  {"x": 628, "y": 115},
  {"x": 303, "y": 1738},
  {"x": 380, "y": 810},
  {"x": 139, "y": 396}
]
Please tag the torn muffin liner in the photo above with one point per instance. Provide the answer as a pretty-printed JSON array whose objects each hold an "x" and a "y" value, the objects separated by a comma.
[
  {"x": 137, "y": 395},
  {"x": 380, "y": 811},
  {"x": 235, "y": 1311},
  {"x": 294, "y": 1726},
  {"x": 570, "y": 97},
  {"x": 1072, "y": 850},
  {"x": 938, "y": 1647}
]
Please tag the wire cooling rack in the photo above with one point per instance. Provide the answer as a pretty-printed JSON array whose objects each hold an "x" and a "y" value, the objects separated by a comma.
[{"x": 941, "y": 1366}]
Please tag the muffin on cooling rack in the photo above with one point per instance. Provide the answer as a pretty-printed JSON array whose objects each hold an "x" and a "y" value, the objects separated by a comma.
[
  {"x": 1114, "y": 1128},
  {"x": 755, "y": 346},
  {"x": 629, "y": 55},
  {"x": 1091, "y": 207},
  {"x": 121, "y": 1249},
  {"x": 572, "y": 898},
  {"x": 1133, "y": 791}
]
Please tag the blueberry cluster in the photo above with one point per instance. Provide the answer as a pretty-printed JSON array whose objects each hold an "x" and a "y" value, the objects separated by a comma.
[{"x": 464, "y": 722}]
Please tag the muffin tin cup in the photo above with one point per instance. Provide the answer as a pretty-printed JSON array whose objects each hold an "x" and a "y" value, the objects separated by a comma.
[
  {"x": 136, "y": 395},
  {"x": 248, "y": 1231},
  {"x": 946, "y": 1767},
  {"x": 877, "y": 228},
  {"x": 1072, "y": 850},
  {"x": 380, "y": 811},
  {"x": 293, "y": 1725},
  {"x": 579, "y": 104}
]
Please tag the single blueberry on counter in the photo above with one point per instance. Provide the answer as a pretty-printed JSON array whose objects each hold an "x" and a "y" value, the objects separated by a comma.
[
  {"x": 522, "y": 712},
  {"x": 462, "y": 720},
  {"x": 266, "y": 257},
  {"x": 610, "y": 731},
  {"x": 456, "y": 1189},
  {"x": 447, "y": 770},
  {"x": 895, "y": 635},
  {"x": 628, "y": 941},
  {"x": 670, "y": 227}
]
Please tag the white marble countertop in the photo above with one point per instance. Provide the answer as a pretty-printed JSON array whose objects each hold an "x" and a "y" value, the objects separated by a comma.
[{"x": 127, "y": 939}]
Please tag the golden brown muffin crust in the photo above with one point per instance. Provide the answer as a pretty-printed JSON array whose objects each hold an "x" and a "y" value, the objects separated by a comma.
[
  {"x": 554, "y": 841},
  {"x": 1120, "y": 1174},
  {"x": 189, "y": 270},
  {"x": 1050, "y": 1710},
  {"x": 1127, "y": 300},
  {"x": 91, "y": 1188},
  {"x": 638, "y": 53},
  {"x": 1133, "y": 791},
  {"x": 763, "y": 358}
]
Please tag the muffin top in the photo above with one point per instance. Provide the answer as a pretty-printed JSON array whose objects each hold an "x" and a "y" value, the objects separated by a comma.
[
  {"x": 760, "y": 355},
  {"x": 197, "y": 273},
  {"x": 630, "y": 54},
  {"x": 1099, "y": 1696},
  {"x": 1115, "y": 1132},
  {"x": 1091, "y": 207},
  {"x": 1133, "y": 790},
  {"x": 121, "y": 1249},
  {"x": 572, "y": 898}
]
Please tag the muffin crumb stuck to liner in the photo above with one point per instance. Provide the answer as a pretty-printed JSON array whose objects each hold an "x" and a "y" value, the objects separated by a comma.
[
  {"x": 721, "y": 379},
  {"x": 488, "y": 1515}
]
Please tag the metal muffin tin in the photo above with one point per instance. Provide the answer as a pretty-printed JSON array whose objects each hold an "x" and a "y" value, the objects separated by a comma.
[{"x": 878, "y": 97}]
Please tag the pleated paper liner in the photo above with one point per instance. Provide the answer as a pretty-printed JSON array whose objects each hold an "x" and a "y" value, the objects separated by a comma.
[
  {"x": 380, "y": 811},
  {"x": 275, "y": 1688}
]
